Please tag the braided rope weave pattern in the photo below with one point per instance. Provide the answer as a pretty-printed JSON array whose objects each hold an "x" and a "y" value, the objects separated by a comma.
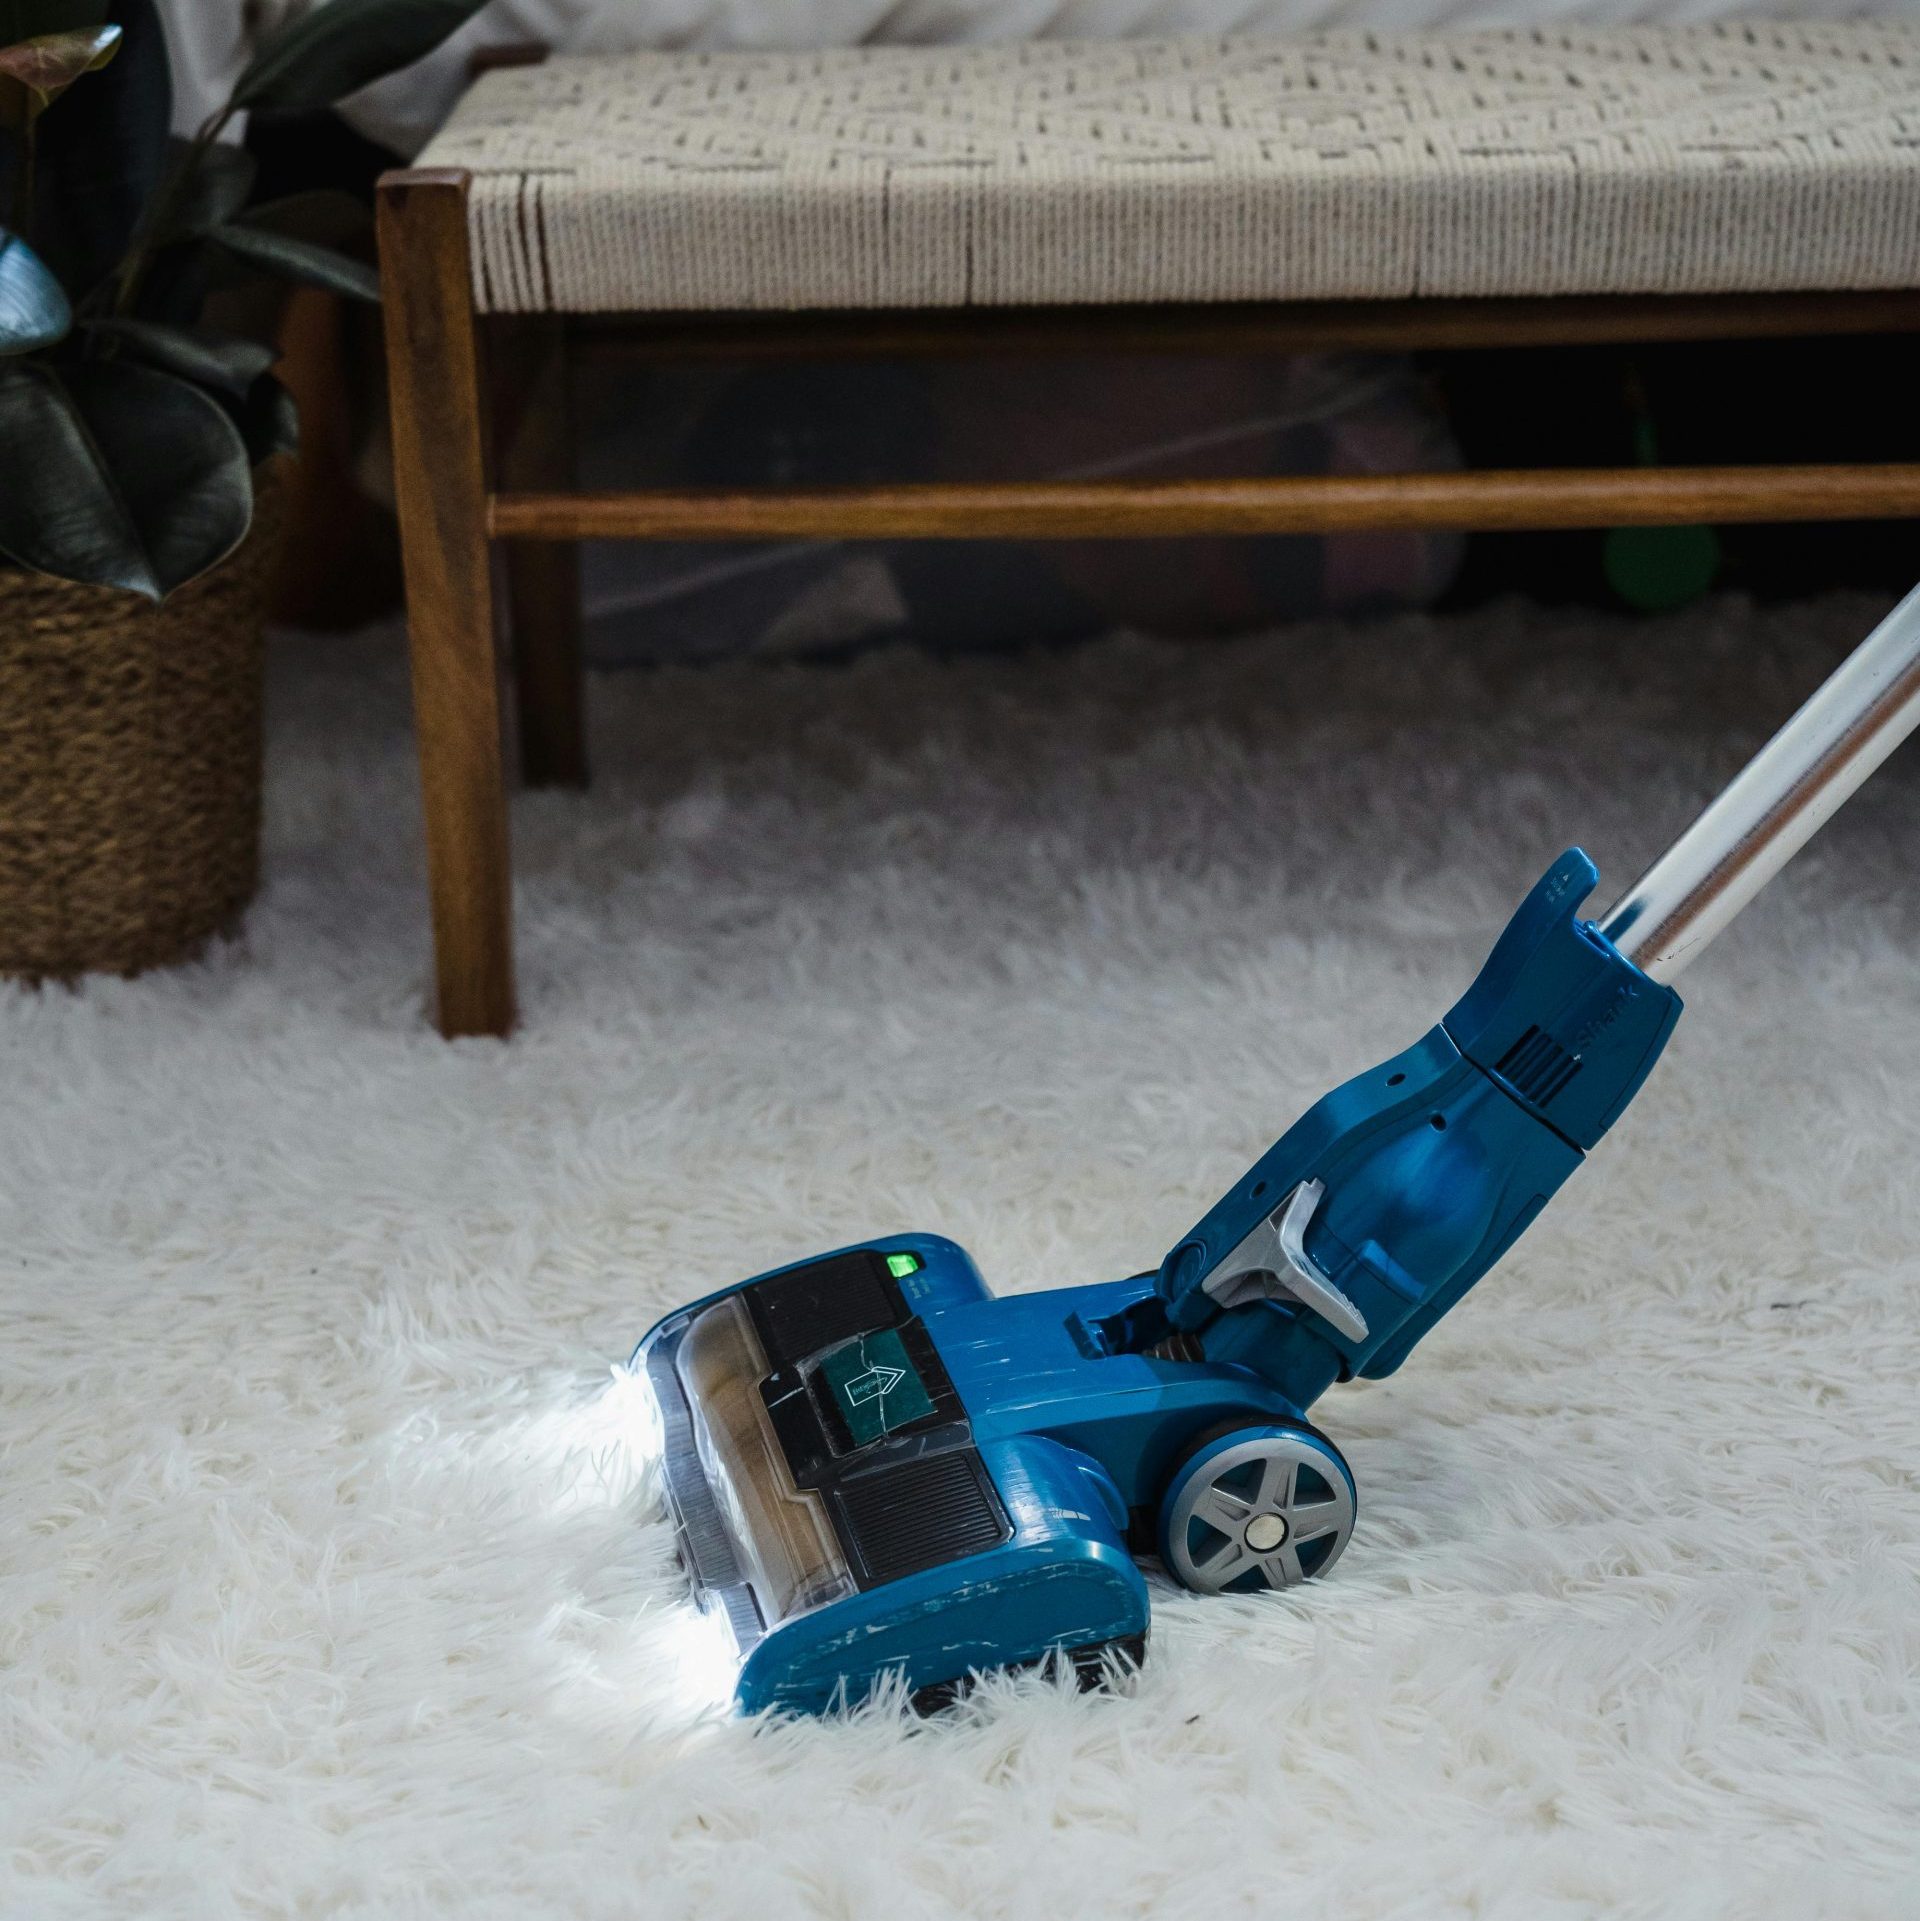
[{"x": 1334, "y": 165}]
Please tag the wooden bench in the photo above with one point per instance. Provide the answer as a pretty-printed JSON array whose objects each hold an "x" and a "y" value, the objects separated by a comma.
[{"x": 1341, "y": 190}]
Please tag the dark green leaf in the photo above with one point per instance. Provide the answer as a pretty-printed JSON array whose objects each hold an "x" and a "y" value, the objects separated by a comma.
[
  {"x": 37, "y": 72},
  {"x": 27, "y": 19},
  {"x": 300, "y": 260},
  {"x": 33, "y": 309},
  {"x": 118, "y": 476},
  {"x": 102, "y": 155},
  {"x": 182, "y": 467},
  {"x": 336, "y": 49},
  {"x": 204, "y": 355},
  {"x": 214, "y": 184},
  {"x": 60, "y": 510}
]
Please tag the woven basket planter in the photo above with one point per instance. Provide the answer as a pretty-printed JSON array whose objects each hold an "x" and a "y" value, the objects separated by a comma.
[{"x": 130, "y": 763}]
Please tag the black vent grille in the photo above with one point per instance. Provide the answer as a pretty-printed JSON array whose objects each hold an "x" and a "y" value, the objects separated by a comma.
[
  {"x": 1537, "y": 1067},
  {"x": 918, "y": 1515},
  {"x": 821, "y": 1304}
]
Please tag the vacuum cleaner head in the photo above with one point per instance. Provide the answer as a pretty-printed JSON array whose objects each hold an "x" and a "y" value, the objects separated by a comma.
[{"x": 837, "y": 1507}]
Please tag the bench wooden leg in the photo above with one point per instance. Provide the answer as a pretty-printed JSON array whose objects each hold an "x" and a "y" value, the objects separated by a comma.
[
  {"x": 543, "y": 577},
  {"x": 439, "y": 463}
]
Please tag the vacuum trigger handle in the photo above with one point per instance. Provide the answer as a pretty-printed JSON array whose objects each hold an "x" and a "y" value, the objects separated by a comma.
[{"x": 1274, "y": 1259}]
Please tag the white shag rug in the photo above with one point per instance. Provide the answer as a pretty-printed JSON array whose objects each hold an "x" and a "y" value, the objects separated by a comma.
[{"x": 328, "y": 1589}]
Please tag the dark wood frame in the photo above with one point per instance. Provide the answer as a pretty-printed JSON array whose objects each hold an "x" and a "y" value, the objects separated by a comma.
[{"x": 479, "y": 461}]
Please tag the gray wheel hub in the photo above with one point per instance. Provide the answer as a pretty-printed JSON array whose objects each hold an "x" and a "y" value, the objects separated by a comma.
[{"x": 1257, "y": 1511}]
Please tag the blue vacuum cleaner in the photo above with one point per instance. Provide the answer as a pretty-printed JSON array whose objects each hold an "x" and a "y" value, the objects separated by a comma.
[{"x": 876, "y": 1467}]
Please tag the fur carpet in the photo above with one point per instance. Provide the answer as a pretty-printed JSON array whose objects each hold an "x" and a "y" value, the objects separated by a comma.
[{"x": 329, "y": 1587}]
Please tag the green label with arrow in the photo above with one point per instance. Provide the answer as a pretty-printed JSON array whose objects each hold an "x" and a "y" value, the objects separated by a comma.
[{"x": 875, "y": 1387}]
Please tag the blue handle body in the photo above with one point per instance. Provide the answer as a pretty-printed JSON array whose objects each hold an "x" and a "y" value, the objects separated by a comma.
[{"x": 1435, "y": 1161}]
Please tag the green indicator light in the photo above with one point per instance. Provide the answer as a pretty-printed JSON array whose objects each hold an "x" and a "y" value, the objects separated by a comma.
[{"x": 901, "y": 1265}]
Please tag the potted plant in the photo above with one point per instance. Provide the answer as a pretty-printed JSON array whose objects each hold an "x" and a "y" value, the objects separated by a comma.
[{"x": 137, "y": 452}]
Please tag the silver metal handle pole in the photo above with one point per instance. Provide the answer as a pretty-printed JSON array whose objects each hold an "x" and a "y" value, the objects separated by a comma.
[{"x": 1665, "y": 921}]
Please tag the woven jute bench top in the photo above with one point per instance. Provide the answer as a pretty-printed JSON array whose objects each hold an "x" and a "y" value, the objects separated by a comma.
[{"x": 1336, "y": 165}]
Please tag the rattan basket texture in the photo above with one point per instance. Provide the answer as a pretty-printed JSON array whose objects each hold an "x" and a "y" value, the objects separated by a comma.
[{"x": 130, "y": 762}]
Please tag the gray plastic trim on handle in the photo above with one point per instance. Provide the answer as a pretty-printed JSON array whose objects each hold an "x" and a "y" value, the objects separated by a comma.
[{"x": 1273, "y": 1259}]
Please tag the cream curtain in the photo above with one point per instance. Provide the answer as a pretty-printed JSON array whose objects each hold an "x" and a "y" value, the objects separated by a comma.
[{"x": 210, "y": 37}]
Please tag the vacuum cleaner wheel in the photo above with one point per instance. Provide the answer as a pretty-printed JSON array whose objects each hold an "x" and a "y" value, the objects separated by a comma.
[{"x": 1257, "y": 1507}]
